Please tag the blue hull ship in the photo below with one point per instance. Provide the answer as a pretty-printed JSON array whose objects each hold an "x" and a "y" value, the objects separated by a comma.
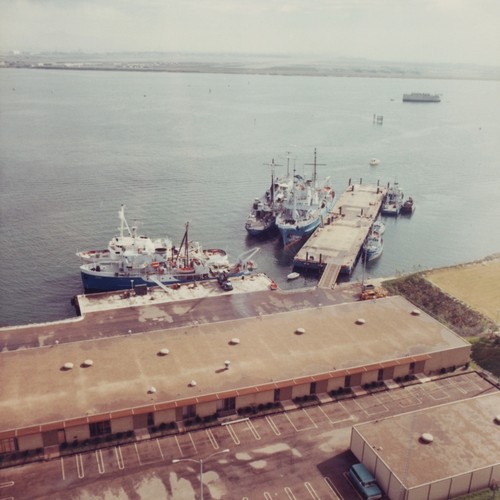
[
  {"x": 306, "y": 208},
  {"x": 132, "y": 260}
]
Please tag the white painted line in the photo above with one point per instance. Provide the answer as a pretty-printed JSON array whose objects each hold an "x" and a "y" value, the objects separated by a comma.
[
  {"x": 289, "y": 493},
  {"x": 253, "y": 430},
  {"x": 178, "y": 445},
  {"x": 100, "y": 461},
  {"x": 79, "y": 466},
  {"x": 232, "y": 433},
  {"x": 309, "y": 417},
  {"x": 7, "y": 484},
  {"x": 329, "y": 483},
  {"x": 62, "y": 469},
  {"x": 327, "y": 417},
  {"x": 311, "y": 491},
  {"x": 235, "y": 421},
  {"x": 192, "y": 442},
  {"x": 211, "y": 438},
  {"x": 159, "y": 447},
  {"x": 119, "y": 458},
  {"x": 267, "y": 496},
  {"x": 291, "y": 423},
  {"x": 137, "y": 452},
  {"x": 273, "y": 425},
  {"x": 7, "y": 498}
]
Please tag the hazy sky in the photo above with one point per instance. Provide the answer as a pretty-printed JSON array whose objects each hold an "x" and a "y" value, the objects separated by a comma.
[{"x": 449, "y": 31}]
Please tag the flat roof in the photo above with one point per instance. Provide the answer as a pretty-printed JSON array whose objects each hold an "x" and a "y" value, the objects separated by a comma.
[
  {"x": 465, "y": 438},
  {"x": 36, "y": 389}
]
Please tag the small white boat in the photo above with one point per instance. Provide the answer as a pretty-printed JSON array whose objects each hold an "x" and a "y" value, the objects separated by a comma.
[
  {"x": 378, "y": 227},
  {"x": 293, "y": 276},
  {"x": 374, "y": 162}
]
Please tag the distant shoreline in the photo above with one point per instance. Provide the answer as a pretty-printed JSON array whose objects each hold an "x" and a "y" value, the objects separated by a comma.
[{"x": 248, "y": 66}]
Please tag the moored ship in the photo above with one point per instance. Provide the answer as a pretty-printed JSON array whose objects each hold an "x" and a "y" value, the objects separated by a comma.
[
  {"x": 135, "y": 264},
  {"x": 306, "y": 208}
]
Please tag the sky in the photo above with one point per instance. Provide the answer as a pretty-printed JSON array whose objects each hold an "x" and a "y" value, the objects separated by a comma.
[{"x": 420, "y": 31}]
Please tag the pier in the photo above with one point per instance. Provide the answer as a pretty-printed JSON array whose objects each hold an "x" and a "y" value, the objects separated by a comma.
[{"x": 334, "y": 248}]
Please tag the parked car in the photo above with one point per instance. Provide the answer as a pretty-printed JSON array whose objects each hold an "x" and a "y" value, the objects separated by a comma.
[{"x": 364, "y": 482}]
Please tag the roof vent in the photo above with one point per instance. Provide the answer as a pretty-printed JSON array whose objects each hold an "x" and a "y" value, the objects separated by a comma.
[
  {"x": 163, "y": 351},
  {"x": 426, "y": 438},
  {"x": 192, "y": 383},
  {"x": 415, "y": 312},
  {"x": 497, "y": 419},
  {"x": 226, "y": 364},
  {"x": 88, "y": 362},
  {"x": 152, "y": 390},
  {"x": 360, "y": 321},
  {"x": 68, "y": 366},
  {"x": 300, "y": 331},
  {"x": 234, "y": 341}
]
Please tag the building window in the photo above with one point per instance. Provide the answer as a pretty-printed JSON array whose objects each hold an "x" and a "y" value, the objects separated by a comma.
[
  {"x": 312, "y": 389},
  {"x": 100, "y": 428},
  {"x": 8, "y": 445},
  {"x": 189, "y": 411},
  {"x": 151, "y": 419},
  {"x": 347, "y": 382},
  {"x": 277, "y": 395},
  {"x": 380, "y": 375},
  {"x": 229, "y": 404},
  {"x": 412, "y": 368}
]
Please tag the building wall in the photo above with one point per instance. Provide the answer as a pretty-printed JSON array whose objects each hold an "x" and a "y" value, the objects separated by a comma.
[
  {"x": 79, "y": 432},
  {"x": 301, "y": 390},
  {"x": 334, "y": 384},
  {"x": 123, "y": 424},
  {"x": 165, "y": 416},
  {"x": 254, "y": 399},
  {"x": 30, "y": 442},
  {"x": 206, "y": 409},
  {"x": 446, "y": 359}
]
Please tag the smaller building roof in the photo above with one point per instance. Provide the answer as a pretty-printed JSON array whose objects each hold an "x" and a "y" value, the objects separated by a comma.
[{"x": 439, "y": 442}]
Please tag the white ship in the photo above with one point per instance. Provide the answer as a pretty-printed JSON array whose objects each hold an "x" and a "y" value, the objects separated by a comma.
[{"x": 421, "y": 97}]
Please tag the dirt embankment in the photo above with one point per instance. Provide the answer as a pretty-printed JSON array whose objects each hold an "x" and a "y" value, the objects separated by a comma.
[{"x": 466, "y": 299}]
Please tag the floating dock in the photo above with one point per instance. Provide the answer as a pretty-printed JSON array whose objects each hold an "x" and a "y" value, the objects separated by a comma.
[{"x": 334, "y": 248}]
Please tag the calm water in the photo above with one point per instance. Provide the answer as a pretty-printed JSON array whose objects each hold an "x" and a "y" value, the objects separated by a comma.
[{"x": 193, "y": 147}]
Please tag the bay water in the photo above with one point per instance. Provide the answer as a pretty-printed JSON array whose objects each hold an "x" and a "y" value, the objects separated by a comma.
[{"x": 179, "y": 147}]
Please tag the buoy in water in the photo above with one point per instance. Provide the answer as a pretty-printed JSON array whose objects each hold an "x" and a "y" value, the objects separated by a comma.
[{"x": 293, "y": 276}]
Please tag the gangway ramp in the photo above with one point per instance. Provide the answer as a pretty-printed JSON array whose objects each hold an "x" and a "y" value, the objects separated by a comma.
[{"x": 329, "y": 276}]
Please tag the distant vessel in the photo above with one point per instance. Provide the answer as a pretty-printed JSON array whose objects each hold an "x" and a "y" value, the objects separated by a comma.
[
  {"x": 136, "y": 262},
  {"x": 378, "y": 227},
  {"x": 393, "y": 200},
  {"x": 305, "y": 208},
  {"x": 262, "y": 216},
  {"x": 373, "y": 246},
  {"x": 374, "y": 162},
  {"x": 421, "y": 97},
  {"x": 293, "y": 276}
]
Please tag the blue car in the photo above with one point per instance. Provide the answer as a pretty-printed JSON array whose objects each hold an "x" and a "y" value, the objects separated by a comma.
[{"x": 364, "y": 482}]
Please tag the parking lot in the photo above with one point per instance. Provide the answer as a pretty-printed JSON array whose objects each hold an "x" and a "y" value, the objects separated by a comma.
[{"x": 302, "y": 453}]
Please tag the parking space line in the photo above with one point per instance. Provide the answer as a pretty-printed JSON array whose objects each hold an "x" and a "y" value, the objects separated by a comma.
[
  {"x": 309, "y": 417},
  {"x": 137, "y": 451},
  {"x": 159, "y": 447},
  {"x": 291, "y": 423},
  {"x": 100, "y": 461},
  {"x": 178, "y": 445},
  {"x": 289, "y": 493},
  {"x": 62, "y": 469},
  {"x": 211, "y": 438},
  {"x": 327, "y": 417},
  {"x": 267, "y": 496},
  {"x": 311, "y": 491},
  {"x": 192, "y": 441},
  {"x": 333, "y": 489},
  {"x": 79, "y": 466},
  {"x": 7, "y": 484},
  {"x": 232, "y": 433},
  {"x": 253, "y": 430},
  {"x": 119, "y": 458},
  {"x": 273, "y": 426}
]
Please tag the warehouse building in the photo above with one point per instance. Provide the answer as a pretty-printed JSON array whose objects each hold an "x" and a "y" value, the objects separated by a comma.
[
  {"x": 440, "y": 452},
  {"x": 77, "y": 391}
]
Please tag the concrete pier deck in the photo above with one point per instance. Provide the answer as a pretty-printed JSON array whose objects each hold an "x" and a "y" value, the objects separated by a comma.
[{"x": 338, "y": 243}]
